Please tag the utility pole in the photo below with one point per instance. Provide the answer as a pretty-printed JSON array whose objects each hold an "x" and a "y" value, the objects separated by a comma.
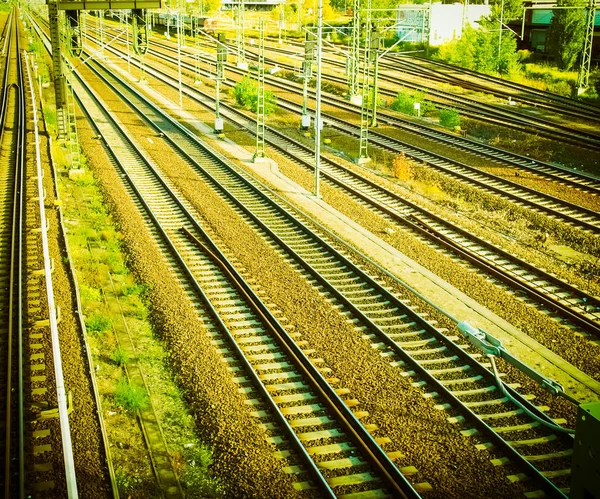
[
  {"x": 59, "y": 76},
  {"x": 363, "y": 156},
  {"x": 240, "y": 38},
  {"x": 353, "y": 57},
  {"x": 220, "y": 76},
  {"x": 318, "y": 124},
  {"x": 259, "y": 154},
  {"x": 374, "y": 53},
  {"x": 307, "y": 73},
  {"x": 500, "y": 32},
  {"x": 583, "y": 78},
  {"x": 198, "y": 47}
]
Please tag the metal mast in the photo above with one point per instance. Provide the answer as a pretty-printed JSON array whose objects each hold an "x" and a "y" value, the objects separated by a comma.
[
  {"x": 318, "y": 100},
  {"x": 363, "y": 156},
  {"x": 59, "y": 76},
  {"x": 353, "y": 57},
  {"x": 260, "y": 100},
  {"x": 586, "y": 57},
  {"x": 220, "y": 76},
  {"x": 240, "y": 39},
  {"x": 307, "y": 73}
]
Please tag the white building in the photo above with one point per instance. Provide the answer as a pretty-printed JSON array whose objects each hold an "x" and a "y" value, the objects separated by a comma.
[{"x": 438, "y": 23}]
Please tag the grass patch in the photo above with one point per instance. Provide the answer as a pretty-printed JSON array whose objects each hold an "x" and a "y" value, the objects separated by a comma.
[
  {"x": 120, "y": 356},
  {"x": 97, "y": 324},
  {"x": 130, "y": 397},
  {"x": 111, "y": 296}
]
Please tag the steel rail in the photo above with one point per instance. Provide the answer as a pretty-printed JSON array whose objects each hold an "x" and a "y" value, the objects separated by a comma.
[
  {"x": 423, "y": 228},
  {"x": 494, "y": 114},
  {"x": 446, "y": 165},
  {"x": 590, "y": 184},
  {"x": 561, "y": 102},
  {"x": 394, "y": 478},
  {"x": 344, "y": 262},
  {"x": 579, "y": 180}
]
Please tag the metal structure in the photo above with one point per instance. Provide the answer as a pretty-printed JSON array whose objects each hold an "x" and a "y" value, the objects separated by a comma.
[
  {"x": 72, "y": 135},
  {"x": 363, "y": 155},
  {"x": 307, "y": 73},
  {"x": 220, "y": 76},
  {"x": 240, "y": 37},
  {"x": 586, "y": 454},
  {"x": 139, "y": 27},
  {"x": 583, "y": 79},
  {"x": 318, "y": 122},
  {"x": 198, "y": 40},
  {"x": 73, "y": 6},
  {"x": 260, "y": 98},
  {"x": 374, "y": 57},
  {"x": 59, "y": 77},
  {"x": 354, "y": 54}
]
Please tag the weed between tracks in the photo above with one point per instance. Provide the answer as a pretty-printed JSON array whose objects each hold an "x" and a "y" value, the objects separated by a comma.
[{"x": 111, "y": 298}]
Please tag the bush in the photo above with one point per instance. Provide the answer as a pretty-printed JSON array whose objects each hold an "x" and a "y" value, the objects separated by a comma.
[
  {"x": 119, "y": 356},
  {"x": 245, "y": 93},
  {"x": 130, "y": 397},
  {"x": 401, "y": 167},
  {"x": 97, "y": 324},
  {"x": 405, "y": 102},
  {"x": 449, "y": 118}
]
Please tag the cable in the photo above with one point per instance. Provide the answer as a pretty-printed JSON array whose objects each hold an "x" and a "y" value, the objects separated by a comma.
[{"x": 550, "y": 425}]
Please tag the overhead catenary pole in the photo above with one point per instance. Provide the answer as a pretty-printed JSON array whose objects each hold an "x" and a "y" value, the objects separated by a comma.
[
  {"x": 354, "y": 54},
  {"x": 583, "y": 78},
  {"x": 259, "y": 153},
  {"x": 375, "y": 39},
  {"x": 318, "y": 98},
  {"x": 240, "y": 37},
  {"x": 307, "y": 73},
  {"x": 363, "y": 155},
  {"x": 179, "y": 84},
  {"x": 59, "y": 76},
  {"x": 220, "y": 76},
  {"x": 500, "y": 31}
]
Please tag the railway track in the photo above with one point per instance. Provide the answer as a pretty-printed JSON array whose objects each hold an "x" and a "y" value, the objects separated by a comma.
[
  {"x": 467, "y": 107},
  {"x": 570, "y": 213},
  {"x": 563, "y": 176},
  {"x": 413, "y": 344},
  {"x": 34, "y": 374},
  {"x": 561, "y": 299},
  {"x": 289, "y": 395},
  {"x": 498, "y": 87}
]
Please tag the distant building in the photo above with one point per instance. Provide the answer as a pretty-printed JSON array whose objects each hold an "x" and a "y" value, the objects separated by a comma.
[
  {"x": 535, "y": 26},
  {"x": 251, "y": 4},
  {"x": 437, "y": 23}
]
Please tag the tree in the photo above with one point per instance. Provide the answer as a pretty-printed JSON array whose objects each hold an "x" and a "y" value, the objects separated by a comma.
[
  {"x": 565, "y": 35},
  {"x": 477, "y": 49}
]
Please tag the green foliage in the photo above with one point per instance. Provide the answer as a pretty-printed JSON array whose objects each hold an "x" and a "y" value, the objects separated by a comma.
[
  {"x": 245, "y": 93},
  {"x": 130, "y": 397},
  {"x": 477, "y": 49},
  {"x": 564, "y": 38},
  {"x": 50, "y": 116},
  {"x": 406, "y": 99},
  {"x": 119, "y": 356},
  {"x": 97, "y": 324},
  {"x": 196, "y": 476},
  {"x": 449, "y": 118}
]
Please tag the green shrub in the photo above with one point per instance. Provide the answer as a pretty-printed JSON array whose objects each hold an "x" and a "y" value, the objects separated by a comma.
[
  {"x": 119, "y": 356},
  {"x": 130, "y": 397},
  {"x": 245, "y": 93},
  {"x": 97, "y": 324},
  {"x": 449, "y": 118},
  {"x": 406, "y": 99}
]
